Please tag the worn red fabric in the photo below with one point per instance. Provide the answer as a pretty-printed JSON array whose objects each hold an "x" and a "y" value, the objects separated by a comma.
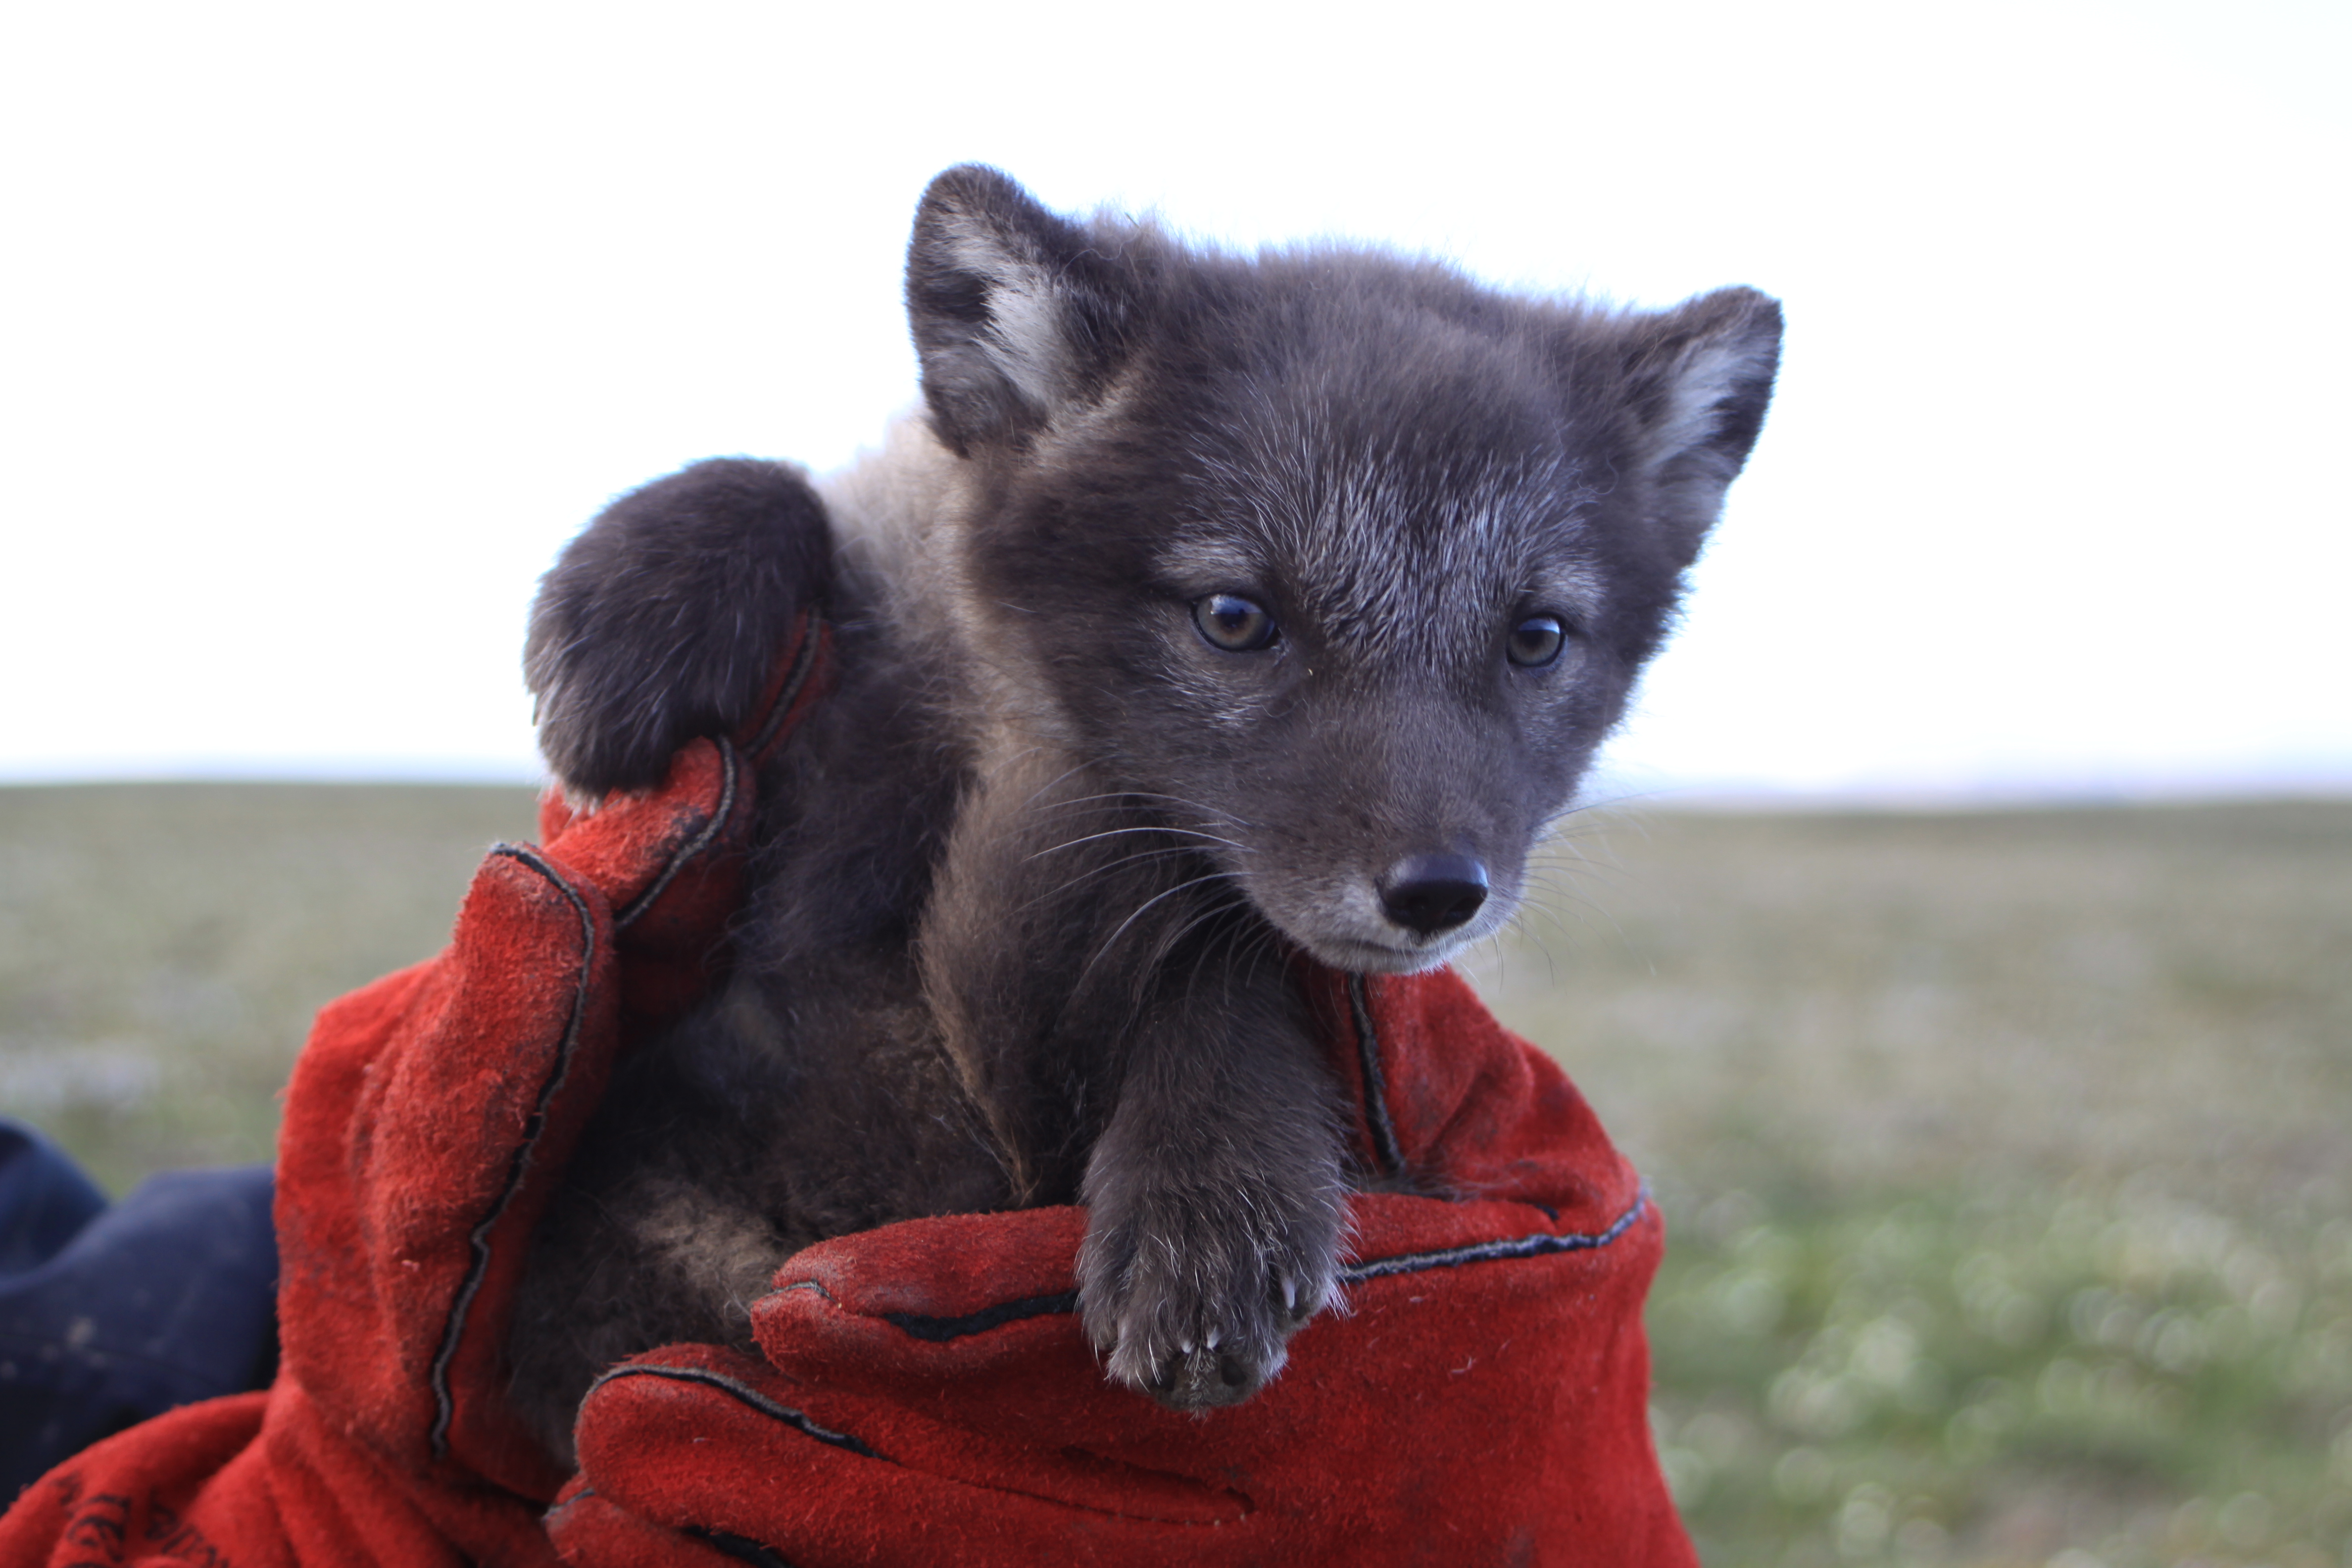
[{"x": 924, "y": 1393}]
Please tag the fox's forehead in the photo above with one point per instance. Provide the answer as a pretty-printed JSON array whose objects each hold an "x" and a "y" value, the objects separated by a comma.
[
  {"x": 1389, "y": 544},
  {"x": 1378, "y": 462}
]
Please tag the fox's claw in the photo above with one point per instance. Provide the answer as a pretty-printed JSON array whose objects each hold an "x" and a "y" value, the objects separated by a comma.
[{"x": 1193, "y": 1319}]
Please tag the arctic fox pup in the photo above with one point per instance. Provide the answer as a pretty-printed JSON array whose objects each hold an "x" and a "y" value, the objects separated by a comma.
[{"x": 1219, "y": 610}]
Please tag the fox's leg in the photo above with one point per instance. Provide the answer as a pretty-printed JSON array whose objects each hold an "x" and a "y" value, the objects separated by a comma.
[
  {"x": 1129, "y": 1026},
  {"x": 664, "y": 619},
  {"x": 1216, "y": 1192}
]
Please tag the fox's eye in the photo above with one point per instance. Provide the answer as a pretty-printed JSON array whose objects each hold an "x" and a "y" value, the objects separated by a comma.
[
  {"x": 1536, "y": 641},
  {"x": 1234, "y": 623}
]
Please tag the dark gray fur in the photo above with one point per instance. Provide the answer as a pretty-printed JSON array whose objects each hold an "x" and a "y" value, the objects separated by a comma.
[{"x": 1031, "y": 881}]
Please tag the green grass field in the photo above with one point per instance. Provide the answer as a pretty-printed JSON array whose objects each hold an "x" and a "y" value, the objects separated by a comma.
[{"x": 2005, "y": 1155}]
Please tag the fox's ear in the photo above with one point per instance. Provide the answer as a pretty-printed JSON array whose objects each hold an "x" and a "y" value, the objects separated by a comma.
[
  {"x": 1017, "y": 314},
  {"x": 1698, "y": 378}
]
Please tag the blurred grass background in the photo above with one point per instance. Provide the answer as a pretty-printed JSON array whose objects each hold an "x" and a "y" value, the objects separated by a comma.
[{"x": 2005, "y": 1155}]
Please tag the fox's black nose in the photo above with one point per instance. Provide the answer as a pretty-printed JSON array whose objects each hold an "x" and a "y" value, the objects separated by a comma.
[{"x": 1431, "y": 893}]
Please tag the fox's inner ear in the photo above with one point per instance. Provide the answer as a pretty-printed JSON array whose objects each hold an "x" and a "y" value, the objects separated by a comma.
[
  {"x": 1017, "y": 313},
  {"x": 1698, "y": 378}
]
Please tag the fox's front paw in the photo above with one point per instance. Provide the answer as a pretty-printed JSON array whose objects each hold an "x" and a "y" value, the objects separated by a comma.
[
  {"x": 1193, "y": 1299},
  {"x": 664, "y": 619}
]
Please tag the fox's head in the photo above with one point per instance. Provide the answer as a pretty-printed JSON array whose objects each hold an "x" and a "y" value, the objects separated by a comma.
[{"x": 1339, "y": 560}]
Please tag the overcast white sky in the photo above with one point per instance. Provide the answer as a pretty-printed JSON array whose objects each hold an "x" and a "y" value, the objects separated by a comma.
[{"x": 322, "y": 327}]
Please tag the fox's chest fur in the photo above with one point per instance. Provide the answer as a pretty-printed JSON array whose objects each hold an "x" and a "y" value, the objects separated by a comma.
[{"x": 1221, "y": 617}]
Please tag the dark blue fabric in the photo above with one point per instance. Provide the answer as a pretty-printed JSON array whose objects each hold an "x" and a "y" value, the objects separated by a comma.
[
  {"x": 44, "y": 1199},
  {"x": 108, "y": 1316}
]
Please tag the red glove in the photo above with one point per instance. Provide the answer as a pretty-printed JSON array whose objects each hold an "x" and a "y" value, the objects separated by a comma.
[
  {"x": 428, "y": 1122},
  {"x": 927, "y": 1394}
]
